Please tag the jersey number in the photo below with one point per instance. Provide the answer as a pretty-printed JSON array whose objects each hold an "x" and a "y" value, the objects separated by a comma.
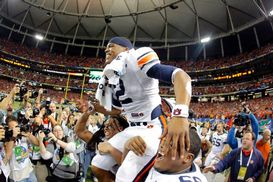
[
  {"x": 189, "y": 179},
  {"x": 121, "y": 92},
  {"x": 216, "y": 142}
]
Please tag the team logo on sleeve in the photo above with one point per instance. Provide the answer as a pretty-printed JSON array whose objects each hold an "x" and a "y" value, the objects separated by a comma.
[{"x": 177, "y": 111}]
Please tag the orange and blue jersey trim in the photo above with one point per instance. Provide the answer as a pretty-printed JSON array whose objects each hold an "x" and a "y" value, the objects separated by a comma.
[{"x": 145, "y": 58}]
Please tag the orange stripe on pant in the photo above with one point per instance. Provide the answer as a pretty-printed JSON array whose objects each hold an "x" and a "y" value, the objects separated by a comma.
[
  {"x": 145, "y": 170},
  {"x": 150, "y": 164}
]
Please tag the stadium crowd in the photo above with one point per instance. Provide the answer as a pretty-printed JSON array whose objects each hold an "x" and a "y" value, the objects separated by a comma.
[
  {"x": 191, "y": 65},
  {"x": 50, "y": 58},
  {"x": 40, "y": 77},
  {"x": 254, "y": 85}
]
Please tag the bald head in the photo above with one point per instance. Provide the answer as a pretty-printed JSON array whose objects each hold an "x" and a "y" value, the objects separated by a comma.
[{"x": 267, "y": 131}]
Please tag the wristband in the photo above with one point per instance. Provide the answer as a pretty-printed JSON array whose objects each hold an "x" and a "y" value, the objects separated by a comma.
[{"x": 180, "y": 110}]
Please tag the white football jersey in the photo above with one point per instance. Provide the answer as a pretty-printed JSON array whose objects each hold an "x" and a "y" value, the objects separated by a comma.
[
  {"x": 137, "y": 94},
  {"x": 194, "y": 175},
  {"x": 218, "y": 142}
]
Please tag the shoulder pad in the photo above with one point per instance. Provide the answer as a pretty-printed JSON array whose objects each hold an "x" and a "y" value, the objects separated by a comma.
[{"x": 145, "y": 55}]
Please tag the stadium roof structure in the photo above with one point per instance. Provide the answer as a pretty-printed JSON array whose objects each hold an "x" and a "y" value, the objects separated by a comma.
[{"x": 163, "y": 22}]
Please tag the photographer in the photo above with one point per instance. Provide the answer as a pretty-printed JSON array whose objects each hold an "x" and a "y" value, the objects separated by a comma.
[
  {"x": 16, "y": 149},
  {"x": 245, "y": 121},
  {"x": 40, "y": 165},
  {"x": 65, "y": 164},
  {"x": 48, "y": 120}
]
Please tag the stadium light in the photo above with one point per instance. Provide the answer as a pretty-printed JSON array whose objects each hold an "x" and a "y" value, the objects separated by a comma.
[
  {"x": 271, "y": 13},
  {"x": 206, "y": 39},
  {"x": 39, "y": 37}
]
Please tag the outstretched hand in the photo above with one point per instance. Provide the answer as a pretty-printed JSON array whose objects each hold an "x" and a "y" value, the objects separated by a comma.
[{"x": 177, "y": 135}]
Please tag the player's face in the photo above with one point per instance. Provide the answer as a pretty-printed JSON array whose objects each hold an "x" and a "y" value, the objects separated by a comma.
[
  {"x": 204, "y": 131},
  {"x": 109, "y": 130},
  {"x": 219, "y": 128},
  {"x": 165, "y": 164},
  {"x": 112, "y": 51}
]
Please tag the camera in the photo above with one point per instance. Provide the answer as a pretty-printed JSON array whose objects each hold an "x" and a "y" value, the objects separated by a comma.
[
  {"x": 47, "y": 105},
  {"x": 8, "y": 134},
  {"x": 34, "y": 94},
  {"x": 24, "y": 123},
  {"x": 23, "y": 90},
  {"x": 25, "y": 128},
  {"x": 241, "y": 120},
  {"x": 35, "y": 112},
  {"x": 21, "y": 118},
  {"x": 37, "y": 128}
]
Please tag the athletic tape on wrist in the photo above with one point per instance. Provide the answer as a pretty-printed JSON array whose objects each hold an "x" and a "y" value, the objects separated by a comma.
[{"x": 180, "y": 111}]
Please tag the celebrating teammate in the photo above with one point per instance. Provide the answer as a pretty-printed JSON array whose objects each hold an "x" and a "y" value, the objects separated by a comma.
[{"x": 130, "y": 84}]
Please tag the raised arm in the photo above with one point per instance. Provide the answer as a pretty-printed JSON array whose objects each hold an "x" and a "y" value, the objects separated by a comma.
[
  {"x": 177, "y": 131},
  {"x": 9, "y": 99},
  {"x": 81, "y": 130}
]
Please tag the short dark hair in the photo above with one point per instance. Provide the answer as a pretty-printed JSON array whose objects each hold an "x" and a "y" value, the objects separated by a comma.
[
  {"x": 252, "y": 134},
  {"x": 195, "y": 143},
  {"x": 122, "y": 41},
  {"x": 98, "y": 135},
  {"x": 10, "y": 118},
  {"x": 121, "y": 120}
]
